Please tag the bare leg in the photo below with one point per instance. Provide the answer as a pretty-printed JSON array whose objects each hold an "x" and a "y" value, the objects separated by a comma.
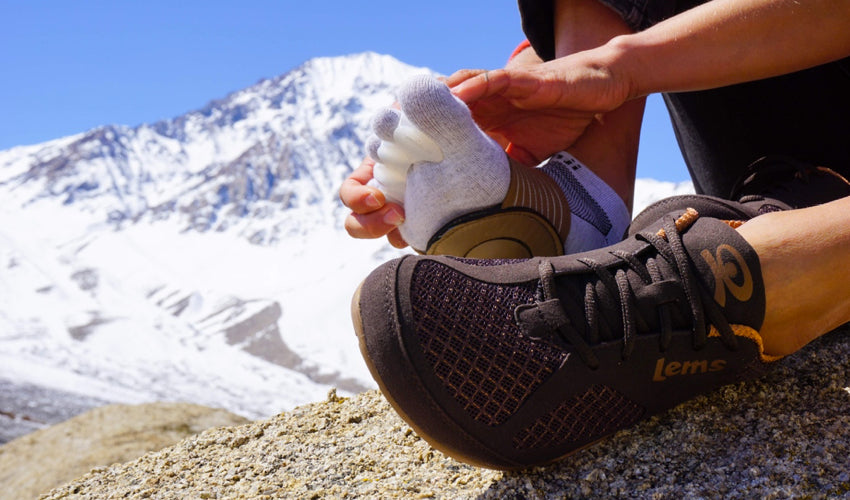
[
  {"x": 805, "y": 262},
  {"x": 610, "y": 145}
]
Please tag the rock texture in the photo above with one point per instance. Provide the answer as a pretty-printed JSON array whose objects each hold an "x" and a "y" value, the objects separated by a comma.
[
  {"x": 785, "y": 435},
  {"x": 35, "y": 463}
]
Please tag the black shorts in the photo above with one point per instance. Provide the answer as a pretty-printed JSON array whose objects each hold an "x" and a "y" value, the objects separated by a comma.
[{"x": 805, "y": 115}]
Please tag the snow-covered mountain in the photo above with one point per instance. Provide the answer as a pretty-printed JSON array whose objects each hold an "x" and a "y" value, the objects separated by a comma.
[{"x": 201, "y": 258}]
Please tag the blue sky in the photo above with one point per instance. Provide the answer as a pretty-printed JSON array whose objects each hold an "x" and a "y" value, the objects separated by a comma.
[{"x": 70, "y": 66}]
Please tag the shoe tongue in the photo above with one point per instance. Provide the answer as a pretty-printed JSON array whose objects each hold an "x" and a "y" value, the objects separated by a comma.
[{"x": 729, "y": 268}]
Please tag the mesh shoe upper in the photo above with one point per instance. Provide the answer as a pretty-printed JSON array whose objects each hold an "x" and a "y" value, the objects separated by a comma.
[{"x": 508, "y": 364}]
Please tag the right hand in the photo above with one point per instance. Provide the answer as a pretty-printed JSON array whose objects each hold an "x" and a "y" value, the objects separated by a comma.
[
  {"x": 541, "y": 109},
  {"x": 371, "y": 216}
]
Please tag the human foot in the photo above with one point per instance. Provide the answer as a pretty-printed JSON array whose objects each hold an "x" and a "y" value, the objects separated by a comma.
[{"x": 462, "y": 195}]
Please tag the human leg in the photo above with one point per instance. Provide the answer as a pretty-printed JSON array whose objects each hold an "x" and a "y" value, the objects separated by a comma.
[
  {"x": 609, "y": 146},
  {"x": 803, "y": 115},
  {"x": 487, "y": 359},
  {"x": 800, "y": 237}
]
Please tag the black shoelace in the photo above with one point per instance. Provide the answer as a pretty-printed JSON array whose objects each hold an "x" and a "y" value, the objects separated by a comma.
[{"x": 618, "y": 299}]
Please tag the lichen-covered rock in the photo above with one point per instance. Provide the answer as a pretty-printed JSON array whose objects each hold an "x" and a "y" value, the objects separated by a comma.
[
  {"x": 33, "y": 464},
  {"x": 785, "y": 435}
]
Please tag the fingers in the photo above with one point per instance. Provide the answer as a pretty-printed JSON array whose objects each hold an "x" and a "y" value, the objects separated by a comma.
[
  {"x": 472, "y": 85},
  {"x": 356, "y": 195},
  {"x": 375, "y": 224},
  {"x": 463, "y": 75},
  {"x": 395, "y": 239},
  {"x": 371, "y": 216},
  {"x": 521, "y": 87}
]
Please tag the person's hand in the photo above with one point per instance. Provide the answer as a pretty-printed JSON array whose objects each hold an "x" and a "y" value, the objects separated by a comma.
[
  {"x": 371, "y": 216},
  {"x": 541, "y": 109}
]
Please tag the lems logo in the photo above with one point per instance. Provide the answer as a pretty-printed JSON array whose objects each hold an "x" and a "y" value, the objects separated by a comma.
[
  {"x": 665, "y": 369},
  {"x": 726, "y": 274}
]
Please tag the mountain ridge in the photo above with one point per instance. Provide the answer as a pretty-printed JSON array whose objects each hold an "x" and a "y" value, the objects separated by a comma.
[{"x": 263, "y": 140}]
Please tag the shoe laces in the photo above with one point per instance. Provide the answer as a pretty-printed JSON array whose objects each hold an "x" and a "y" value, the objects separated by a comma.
[{"x": 613, "y": 296}]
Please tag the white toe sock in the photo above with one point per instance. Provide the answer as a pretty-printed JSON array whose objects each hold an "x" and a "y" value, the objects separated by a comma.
[{"x": 455, "y": 169}]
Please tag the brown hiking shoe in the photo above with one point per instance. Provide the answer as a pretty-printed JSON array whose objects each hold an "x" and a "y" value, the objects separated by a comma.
[{"x": 513, "y": 363}]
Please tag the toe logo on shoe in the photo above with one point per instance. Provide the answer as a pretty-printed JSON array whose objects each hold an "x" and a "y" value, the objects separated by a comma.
[{"x": 730, "y": 272}]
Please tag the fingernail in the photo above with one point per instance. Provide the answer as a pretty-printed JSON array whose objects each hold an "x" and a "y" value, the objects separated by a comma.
[
  {"x": 393, "y": 218},
  {"x": 372, "y": 201}
]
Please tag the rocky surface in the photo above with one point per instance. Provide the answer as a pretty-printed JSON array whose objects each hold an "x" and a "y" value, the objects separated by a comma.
[
  {"x": 35, "y": 463},
  {"x": 785, "y": 435}
]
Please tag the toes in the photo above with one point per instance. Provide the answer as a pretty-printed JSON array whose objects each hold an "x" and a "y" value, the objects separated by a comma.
[
  {"x": 373, "y": 144},
  {"x": 429, "y": 105},
  {"x": 392, "y": 154},
  {"x": 385, "y": 122},
  {"x": 392, "y": 130},
  {"x": 418, "y": 145},
  {"x": 390, "y": 183}
]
